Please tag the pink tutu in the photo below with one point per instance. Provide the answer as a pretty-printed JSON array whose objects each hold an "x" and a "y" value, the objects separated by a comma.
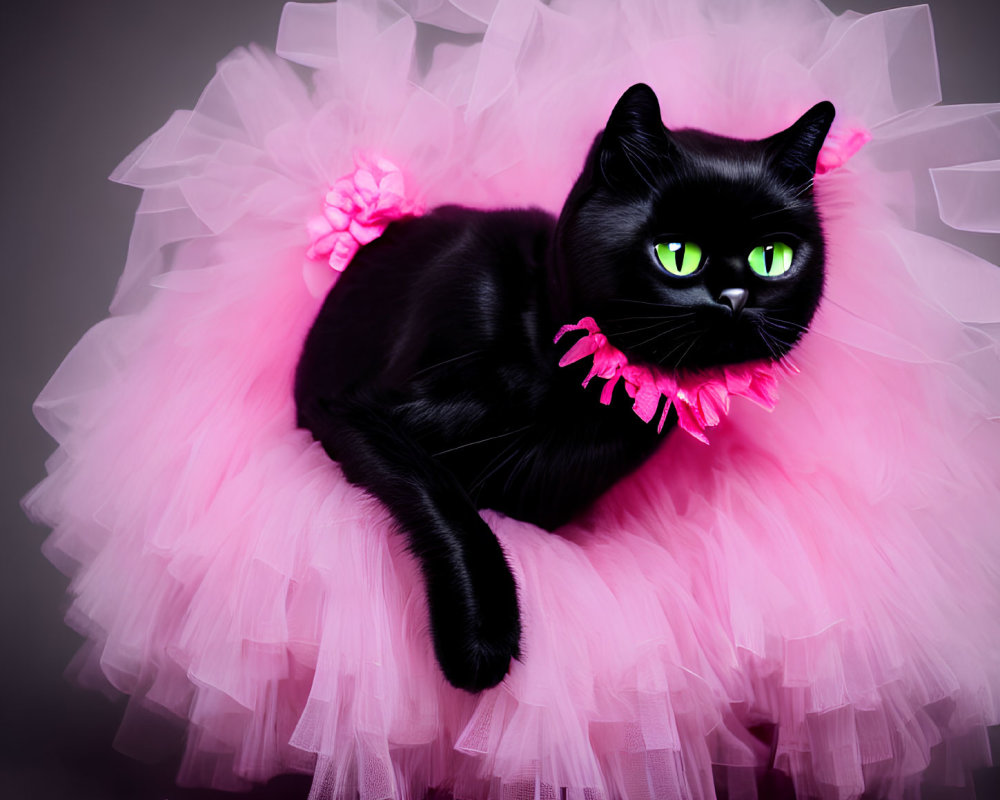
[{"x": 830, "y": 569}]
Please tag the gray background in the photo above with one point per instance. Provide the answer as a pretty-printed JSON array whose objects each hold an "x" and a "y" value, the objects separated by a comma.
[{"x": 82, "y": 83}]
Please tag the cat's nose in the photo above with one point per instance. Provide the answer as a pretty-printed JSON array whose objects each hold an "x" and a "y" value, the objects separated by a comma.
[{"x": 735, "y": 299}]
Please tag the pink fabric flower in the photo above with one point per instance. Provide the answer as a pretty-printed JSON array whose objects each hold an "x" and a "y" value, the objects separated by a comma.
[
  {"x": 700, "y": 398},
  {"x": 356, "y": 210},
  {"x": 839, "y": 146}
]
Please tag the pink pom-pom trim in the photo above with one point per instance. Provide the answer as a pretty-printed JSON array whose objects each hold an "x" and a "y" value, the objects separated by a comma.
[
  {"x": 700, "y": 398},
  {"x": 356, "y": 210}
]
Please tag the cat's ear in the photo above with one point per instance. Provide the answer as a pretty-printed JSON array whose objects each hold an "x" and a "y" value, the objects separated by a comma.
[
  {"x": 794, "y": 151},
  {"x": 634, "y": 145}
]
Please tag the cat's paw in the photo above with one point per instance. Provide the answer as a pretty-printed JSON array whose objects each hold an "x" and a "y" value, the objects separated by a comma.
[
  {"x": 477, "y": 627},
  {"x": 472, "y": 600},
  {"x": 476, "y": 662}
]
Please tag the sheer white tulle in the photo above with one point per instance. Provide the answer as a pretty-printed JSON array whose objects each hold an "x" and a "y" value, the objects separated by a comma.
[{"x": 831, "y": 568}]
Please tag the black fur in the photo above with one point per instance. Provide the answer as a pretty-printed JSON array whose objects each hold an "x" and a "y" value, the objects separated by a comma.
[{"x": 431, "y": 376}]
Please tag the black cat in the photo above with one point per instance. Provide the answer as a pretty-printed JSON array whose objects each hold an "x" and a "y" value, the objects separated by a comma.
[{"x": 431, "y": 373}]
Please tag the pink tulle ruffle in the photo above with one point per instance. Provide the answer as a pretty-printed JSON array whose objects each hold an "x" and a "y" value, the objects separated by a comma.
[{"x": 827, "y": 570}]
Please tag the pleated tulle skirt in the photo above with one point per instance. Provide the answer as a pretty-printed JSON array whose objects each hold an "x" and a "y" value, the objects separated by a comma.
[{"x": 827, "y": 572}]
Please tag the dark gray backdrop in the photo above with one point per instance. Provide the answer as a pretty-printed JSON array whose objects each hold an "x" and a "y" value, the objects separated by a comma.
[{"x": 83, "y": 82}]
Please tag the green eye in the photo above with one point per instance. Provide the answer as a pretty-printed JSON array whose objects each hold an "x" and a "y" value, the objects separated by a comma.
[
  {"x": 679, "y": 258},
  {"x": 771, "y": 260}
]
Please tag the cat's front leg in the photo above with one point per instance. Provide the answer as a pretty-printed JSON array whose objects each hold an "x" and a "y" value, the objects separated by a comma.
[{"x": 471, "y": 593}]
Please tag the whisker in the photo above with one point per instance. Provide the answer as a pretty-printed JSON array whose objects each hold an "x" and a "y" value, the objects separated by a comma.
[
  {"x": 767, "y": 213},
  {"x": 791, "y": 327},
  {"x": 447, "y": 361},
  {"x": 512, "y": 473},
  {"x": 495, "y": 465},
  {"x": 781, "y": 325},
  {"x": 480, "y": 441},
  {"x": 797, "y": 192},
  {"x": 646, "y": 303},
  {"x": 674, "y": 326},
  {"x": 680, "y": 358},
  {"x": 662, "y": 333},
  {"x": 774, "y": 342},
  {"x": 683, "y": 340},
  {"x": 782, "y": 320},
  {"x": 652, "y": 316},
  {"x": 766, "y": 339}
]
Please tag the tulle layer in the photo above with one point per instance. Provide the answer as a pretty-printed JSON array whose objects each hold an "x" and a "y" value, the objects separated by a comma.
[{"x": 828, "y": 571}]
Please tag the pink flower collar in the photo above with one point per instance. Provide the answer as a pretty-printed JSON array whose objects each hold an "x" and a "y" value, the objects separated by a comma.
[{"x": 700, "y": 398}]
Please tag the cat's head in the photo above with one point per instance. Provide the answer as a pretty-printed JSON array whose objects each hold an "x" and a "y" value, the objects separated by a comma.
[{"x": 692, "y": 250}]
